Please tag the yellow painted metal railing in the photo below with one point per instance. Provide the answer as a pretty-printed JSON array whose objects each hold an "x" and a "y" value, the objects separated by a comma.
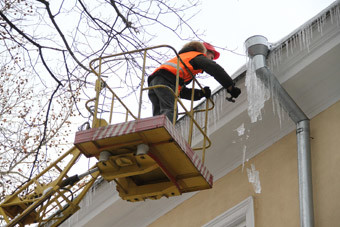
[{"x": 101, "y": 84}]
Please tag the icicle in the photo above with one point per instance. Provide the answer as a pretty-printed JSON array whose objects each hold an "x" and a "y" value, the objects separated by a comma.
[
  {"x": 300, "y": 40},
  {"x": 292, "y": 46},
  {"x": 244, "y": 156},
  {"x": 257, "y": 93},
  {"x": 183, "y": 127},
  {"x": 214, "y": 112},
  {"x": 254, "y": 178},
  {"x": 303, "y": 38},
  {"x": 222, "y": 102},
  {"x": 336, "y": 14}
]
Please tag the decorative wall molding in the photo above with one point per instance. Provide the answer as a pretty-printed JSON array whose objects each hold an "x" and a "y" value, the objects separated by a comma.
[{"x": 242, "y": 212}]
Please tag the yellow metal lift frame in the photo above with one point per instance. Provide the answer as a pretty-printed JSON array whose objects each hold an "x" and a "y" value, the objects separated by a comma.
[
  {"x": 35, "y": 202},
  {"x": 52, "y": 203}
]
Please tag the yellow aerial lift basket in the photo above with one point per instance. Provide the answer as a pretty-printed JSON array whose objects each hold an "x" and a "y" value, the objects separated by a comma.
[{"x": 147, "y": 157}]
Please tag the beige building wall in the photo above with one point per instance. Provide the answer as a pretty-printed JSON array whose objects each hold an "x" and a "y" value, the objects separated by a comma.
[{"x": 278, "y": 203}]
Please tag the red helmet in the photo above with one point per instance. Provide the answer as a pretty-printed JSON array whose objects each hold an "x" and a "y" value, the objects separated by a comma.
[{"x": 212, "y": 49}]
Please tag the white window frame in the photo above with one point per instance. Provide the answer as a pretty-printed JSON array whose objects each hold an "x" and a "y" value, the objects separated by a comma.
[{"x": 244, "y": 211}]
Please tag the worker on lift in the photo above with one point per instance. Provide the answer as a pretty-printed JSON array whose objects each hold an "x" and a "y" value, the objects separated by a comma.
[{"x": 198, "y": 57}]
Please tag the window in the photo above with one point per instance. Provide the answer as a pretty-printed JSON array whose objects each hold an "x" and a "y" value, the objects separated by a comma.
[{"x": 241, "y": 215}]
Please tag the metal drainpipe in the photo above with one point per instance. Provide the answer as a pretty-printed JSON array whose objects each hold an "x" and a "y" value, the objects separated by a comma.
[{"x": 257, "y": 49}]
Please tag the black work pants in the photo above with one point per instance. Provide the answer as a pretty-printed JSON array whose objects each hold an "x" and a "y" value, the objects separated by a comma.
[{"x": 162, "y": 99}]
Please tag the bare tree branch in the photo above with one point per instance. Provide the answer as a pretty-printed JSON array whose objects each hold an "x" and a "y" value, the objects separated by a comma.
[
  {"x": 47, "y": 4},
  {"x": 33, "y": 42}
]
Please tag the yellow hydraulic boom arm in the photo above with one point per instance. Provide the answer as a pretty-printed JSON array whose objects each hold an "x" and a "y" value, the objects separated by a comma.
[{"x": 51, "y": 202}]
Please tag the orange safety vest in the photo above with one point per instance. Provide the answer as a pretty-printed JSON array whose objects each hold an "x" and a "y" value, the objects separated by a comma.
[{"x": 171, "y": 66}]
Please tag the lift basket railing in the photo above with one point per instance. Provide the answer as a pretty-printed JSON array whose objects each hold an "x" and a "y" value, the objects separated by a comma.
[{"x": 190, "y": 113}]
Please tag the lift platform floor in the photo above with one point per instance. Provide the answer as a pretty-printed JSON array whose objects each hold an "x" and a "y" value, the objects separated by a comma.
[{"x": 179, "y": 168}]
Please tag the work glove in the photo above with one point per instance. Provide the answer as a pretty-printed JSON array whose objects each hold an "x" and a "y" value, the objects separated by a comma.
[
  {"x": 206, "y": 93},
  {"x": 235, "y": 92}
]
